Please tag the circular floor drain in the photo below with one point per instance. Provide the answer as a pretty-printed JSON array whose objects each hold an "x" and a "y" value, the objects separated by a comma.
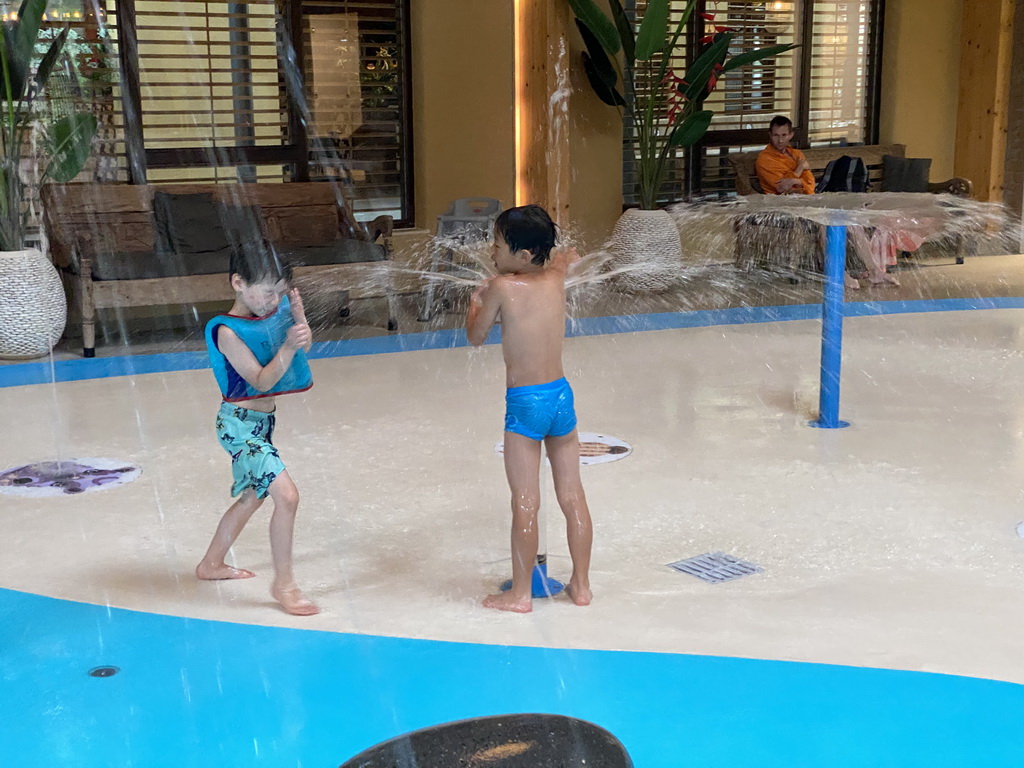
[
  {"x": 103, "y": 671},
  {"x": 594, "y": 448},
  {"x": 72, "y": 476}
]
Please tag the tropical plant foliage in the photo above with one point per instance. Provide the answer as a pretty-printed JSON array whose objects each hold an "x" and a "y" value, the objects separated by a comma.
[
  {"x": 630, "y": 71},
  {"x": 65, "y": 138}
]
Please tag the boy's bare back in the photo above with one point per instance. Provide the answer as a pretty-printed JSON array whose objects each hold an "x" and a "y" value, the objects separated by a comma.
[{"x": 532, "y": 313}]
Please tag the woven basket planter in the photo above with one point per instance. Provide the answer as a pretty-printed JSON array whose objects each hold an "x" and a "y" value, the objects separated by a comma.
[
  {"x": 646, "y": 244},
  {"x": 33, "y": 308}
]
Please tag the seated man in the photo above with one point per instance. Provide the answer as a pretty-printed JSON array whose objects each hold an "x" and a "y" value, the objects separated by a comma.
[{"x": 782, "y": 169}]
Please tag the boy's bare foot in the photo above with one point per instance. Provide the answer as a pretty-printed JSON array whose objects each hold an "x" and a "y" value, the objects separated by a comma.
[
  {"x": 579, "y": 595},
  {"x": 506, "y": 601},
  {"x": 208, "y": 572},
  {"x": 885, "y": 278},
  {"x": 294, "y": 602}
]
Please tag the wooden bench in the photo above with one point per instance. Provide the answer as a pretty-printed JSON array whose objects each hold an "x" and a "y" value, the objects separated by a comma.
[
  {"x": 743, "y": 165},
  {"x": 105, "y": 239}
]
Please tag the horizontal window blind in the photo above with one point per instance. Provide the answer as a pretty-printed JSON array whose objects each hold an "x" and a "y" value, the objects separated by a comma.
[
  {"x": 210, "y": 84},
  {"x": 749, "y": 97},
  {"x": 839, "y": 73},
  {"x": 356, "y": 89}
]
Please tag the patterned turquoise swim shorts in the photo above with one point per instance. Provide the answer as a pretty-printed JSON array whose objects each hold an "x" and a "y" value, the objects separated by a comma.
[{"x": 246, "y": 435}]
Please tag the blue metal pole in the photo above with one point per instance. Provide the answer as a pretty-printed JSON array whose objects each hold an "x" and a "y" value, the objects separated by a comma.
[{"x": 832, "y": 330}]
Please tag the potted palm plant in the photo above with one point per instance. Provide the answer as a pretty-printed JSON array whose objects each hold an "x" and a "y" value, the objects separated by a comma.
[
  {"x": 37, "y": 144},
  {"x": 631, "y": 71}
]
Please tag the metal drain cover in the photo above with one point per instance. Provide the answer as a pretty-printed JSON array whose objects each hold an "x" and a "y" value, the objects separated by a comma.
[{"x": 715, "y": 567}]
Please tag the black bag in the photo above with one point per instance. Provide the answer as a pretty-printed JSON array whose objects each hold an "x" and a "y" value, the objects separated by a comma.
[{"x": 844, "y": 174}]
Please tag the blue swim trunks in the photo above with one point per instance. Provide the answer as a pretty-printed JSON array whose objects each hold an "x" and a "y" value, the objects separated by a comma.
[
  {"x": 246, "y": 435},
  {"x": 540, "y": 410}
]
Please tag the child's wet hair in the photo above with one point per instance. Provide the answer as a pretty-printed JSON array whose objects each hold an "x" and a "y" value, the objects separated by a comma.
[
  {"x": 527, "y": 228},
  {"x": 258, "y": 261}
]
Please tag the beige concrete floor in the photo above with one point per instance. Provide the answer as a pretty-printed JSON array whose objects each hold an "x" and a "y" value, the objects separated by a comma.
[{"x": 889, "y": 544}]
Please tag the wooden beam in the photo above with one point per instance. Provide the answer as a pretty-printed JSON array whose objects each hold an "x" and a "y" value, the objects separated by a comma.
[
  {"x": 986, "y": 55},
  {"x": 542, "y": 91},
  {"x": 131, "y": 91}
]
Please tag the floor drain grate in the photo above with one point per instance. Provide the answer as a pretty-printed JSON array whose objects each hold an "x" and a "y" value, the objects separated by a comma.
[
  {"x": 103, "y": 671},
  {"x": 715, "y": 567}
]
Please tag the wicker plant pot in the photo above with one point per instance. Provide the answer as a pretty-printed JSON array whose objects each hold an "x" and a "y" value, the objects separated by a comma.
[
  {"x": 33, "y": 308},
  {"x": 646, "y": 245}
]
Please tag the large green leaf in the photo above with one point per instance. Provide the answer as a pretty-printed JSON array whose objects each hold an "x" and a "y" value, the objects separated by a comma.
[
  {"x": 653, "y": 35},
  {"x": 604, "y": 91},
  {"x": 20, "y": 39},
  {"x": 69, "y": 141},
  {"x": 598, "y": 58},
  {"x": 749, "y": 57},
  {"x": 13, "y": 73},
  {"x": 625, "y": 27},
  {"x": 50, "y": 57},
  {"x": 598, "y": 23},
  {"x": 691, "y": 130},
  {"x": 700, "y": 72}
]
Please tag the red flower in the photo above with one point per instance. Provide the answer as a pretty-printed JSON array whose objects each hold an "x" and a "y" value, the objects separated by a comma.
[
  {"x": 670, "y": 78},
  {"x": 713, "y": 80},
  {"x": 707, "y": 39},
  {"x": 708, "y": 16}
]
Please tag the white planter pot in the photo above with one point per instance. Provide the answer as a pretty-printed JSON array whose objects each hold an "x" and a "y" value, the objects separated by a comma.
[
  {"x": 33, "y": 309},
  {"x": 646, "y": 244}
]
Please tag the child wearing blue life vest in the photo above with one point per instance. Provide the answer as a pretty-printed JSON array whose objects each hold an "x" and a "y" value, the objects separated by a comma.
[
  {"x": 258, "y": 351},
  {"x": 528, "y": 295}
]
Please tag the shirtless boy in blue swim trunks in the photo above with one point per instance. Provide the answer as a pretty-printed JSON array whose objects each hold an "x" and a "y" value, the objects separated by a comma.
[
  {"x": 528, "y": 296},
  {"x": 258, "y": 351}
]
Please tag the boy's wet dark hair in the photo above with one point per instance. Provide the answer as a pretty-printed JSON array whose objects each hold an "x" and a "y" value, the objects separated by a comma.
[
  {"x": 257, "y": 262},
  {"x": 527, "y": 228},
  {"x": 780, "y": 121}
]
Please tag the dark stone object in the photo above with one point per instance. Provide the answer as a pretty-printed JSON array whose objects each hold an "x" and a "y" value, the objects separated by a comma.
[{"x": 502, "y": 741}]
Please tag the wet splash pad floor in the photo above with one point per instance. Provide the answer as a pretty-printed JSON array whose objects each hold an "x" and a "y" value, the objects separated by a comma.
[{"x": 887, "y": 545}]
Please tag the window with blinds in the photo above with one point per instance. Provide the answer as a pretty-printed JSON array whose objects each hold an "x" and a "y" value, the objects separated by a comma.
[
  {"x": 210, "y": 89},
  {"x": 357, "y": 89},
  {"x": 826, "y": 86},
  {"x": 749, "y": 97},
  {"x": 264, "y": 90},
  {"x": 838, "y": 91}
]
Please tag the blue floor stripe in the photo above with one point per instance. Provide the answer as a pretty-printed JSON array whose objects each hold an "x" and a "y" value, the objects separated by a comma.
[
  {"x": 202, "y": 693},
  {"x": 22, "y": 374}
]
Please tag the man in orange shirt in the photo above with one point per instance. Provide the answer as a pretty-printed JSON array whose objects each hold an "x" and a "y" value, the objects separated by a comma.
[{"x": 781, "y": 169}]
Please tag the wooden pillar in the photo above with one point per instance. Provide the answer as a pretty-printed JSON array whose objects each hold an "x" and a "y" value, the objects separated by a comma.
[
  {"x": 542, "y": 92},
  {"x": 985, "y": 64}
]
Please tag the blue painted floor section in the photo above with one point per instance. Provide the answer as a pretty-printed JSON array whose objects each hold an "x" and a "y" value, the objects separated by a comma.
[
  {"x": 201, "y": 693},
  {"x": 44, "y": 372}
]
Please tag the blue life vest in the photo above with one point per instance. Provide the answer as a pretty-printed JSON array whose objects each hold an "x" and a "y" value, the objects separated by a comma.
[{"x": 264, "y": 336}]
